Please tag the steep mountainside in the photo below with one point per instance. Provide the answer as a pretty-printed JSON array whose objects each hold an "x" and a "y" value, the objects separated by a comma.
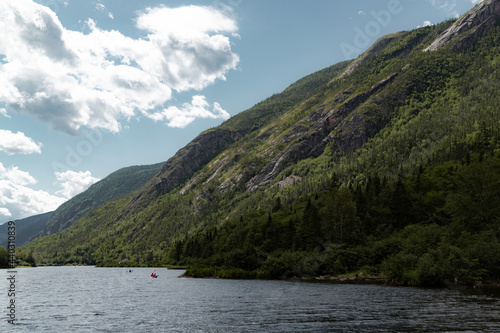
[
  {"x": 365, "y": 165},
  {"x": 121, "y": 182},
  {"x": 209, "y": 144}
]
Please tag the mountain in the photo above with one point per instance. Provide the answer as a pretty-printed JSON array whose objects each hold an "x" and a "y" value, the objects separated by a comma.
[
  {"x": 119, "y": 183},
  {"x": 26, "y": 229},
  {"x": 385, "y": 165}
]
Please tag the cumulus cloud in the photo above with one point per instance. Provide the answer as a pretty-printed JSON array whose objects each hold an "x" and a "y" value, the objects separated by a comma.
[
  {"x": 193, "y": 53},
  {"x": 97, "y": 79},
  {"x": 425, "y": 24},
  {"x": 16, "y": 176},
  {"x": 18, "y": 143},
  {"x": 183, "y": 116},
  {"x": 74, "y": 183},
  {"x": 5, "y": 212},
  {"x": 19, "y": 199},
  {"x": 4, "y": 113}
]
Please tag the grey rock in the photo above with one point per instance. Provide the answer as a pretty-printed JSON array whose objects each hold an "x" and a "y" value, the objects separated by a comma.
[
  {"x": 310, "y": 141},
  {"x": 480, "y": 18}
]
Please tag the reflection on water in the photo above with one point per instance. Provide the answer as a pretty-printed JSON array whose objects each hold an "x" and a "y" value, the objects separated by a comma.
[{"x": 88, "y": 299}]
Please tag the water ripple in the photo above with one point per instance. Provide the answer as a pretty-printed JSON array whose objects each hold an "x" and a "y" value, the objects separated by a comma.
[{"x": 88, "y": 299}]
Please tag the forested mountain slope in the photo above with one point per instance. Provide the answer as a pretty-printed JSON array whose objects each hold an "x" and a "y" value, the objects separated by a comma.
[
  {"x": 26, "y": 229},
  {"x": 387, "y": 165},
  {"x": 118, "y": 183}
]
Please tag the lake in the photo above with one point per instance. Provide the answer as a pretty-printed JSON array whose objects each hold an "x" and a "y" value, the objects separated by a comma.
[{"x": 89, "y": 299}]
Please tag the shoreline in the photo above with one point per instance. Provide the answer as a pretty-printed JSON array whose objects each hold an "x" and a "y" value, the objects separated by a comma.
[
  {"x": 358, "y": 278},
  {"x": 364, "y": 279}
]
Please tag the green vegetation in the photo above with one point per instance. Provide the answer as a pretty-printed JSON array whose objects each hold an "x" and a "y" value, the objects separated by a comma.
[
  {"x": 121, "y": 182},
  {"x": 407, "y": 186},
  {"x": 23, "y": 258},
  {"x": 440, "y": 225},
  {"x": 4, "y": 258},
  {"x": 264, "y": 112}
]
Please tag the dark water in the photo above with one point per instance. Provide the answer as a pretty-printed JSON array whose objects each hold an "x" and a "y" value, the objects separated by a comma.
[{"x": 88, "y": 299}]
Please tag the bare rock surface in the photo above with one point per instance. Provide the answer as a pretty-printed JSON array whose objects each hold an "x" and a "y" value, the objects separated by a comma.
[{"x": 481, "y": 17}]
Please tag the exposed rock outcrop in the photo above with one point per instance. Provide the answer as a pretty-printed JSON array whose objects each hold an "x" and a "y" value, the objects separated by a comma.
[
  {"x": 184, "y": 164},
  {"x": 310, "y": 141},
  {"x": 481, "y": 17},
  {"x": 290, "y": 180},
  {"x": 193, "y": 156}
]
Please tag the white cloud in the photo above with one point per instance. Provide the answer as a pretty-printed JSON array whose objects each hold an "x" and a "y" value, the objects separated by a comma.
[
  {"x": 190, "y": 56},
  {"x": 5, "y": 212},
  {"x": 74, "y": 183},
  {"x": 102, "y": 8},
  {"x": 18, "y": 199},
  {"x": 97, "y": 79},
  {"x": 18, "y": 143},
  {"x": 181, "y": 117},
  {"x": 4, "y": 113},
  {"x": 425, "y": 24},
  {"x": 19, "y": 177},
  {"x": 361, "y": 12},
  {"x": 475, "y": 2}
]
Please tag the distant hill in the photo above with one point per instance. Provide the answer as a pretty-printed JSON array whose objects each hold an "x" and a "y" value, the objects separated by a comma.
[
  {"x": 386, "y": 165},
  {"x": 121, "y": 182},
  {"x": 26, "y": 229}
]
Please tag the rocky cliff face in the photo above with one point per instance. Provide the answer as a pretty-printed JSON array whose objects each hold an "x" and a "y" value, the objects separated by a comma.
[
  {"x": 196, "y": 154},
  {"x": 305, "y": 141},
  {"x": 467, "y": 28},
  {"x": 184, "y": 164}
]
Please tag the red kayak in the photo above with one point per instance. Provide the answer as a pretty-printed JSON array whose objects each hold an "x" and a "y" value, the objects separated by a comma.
[{"x": 153, "y": 276}]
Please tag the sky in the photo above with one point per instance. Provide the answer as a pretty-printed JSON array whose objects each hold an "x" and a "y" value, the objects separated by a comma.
[{"x": 89, "y": 87}]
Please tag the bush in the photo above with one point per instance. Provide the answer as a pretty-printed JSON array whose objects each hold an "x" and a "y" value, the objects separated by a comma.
[{"x": 287, "y": 265}]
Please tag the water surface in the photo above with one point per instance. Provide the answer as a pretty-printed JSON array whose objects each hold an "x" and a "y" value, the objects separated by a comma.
[{"x": 89, "y": 299}]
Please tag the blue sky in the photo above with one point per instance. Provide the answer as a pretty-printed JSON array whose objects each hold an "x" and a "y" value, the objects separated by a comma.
[{"x": 89, "y": 87}]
